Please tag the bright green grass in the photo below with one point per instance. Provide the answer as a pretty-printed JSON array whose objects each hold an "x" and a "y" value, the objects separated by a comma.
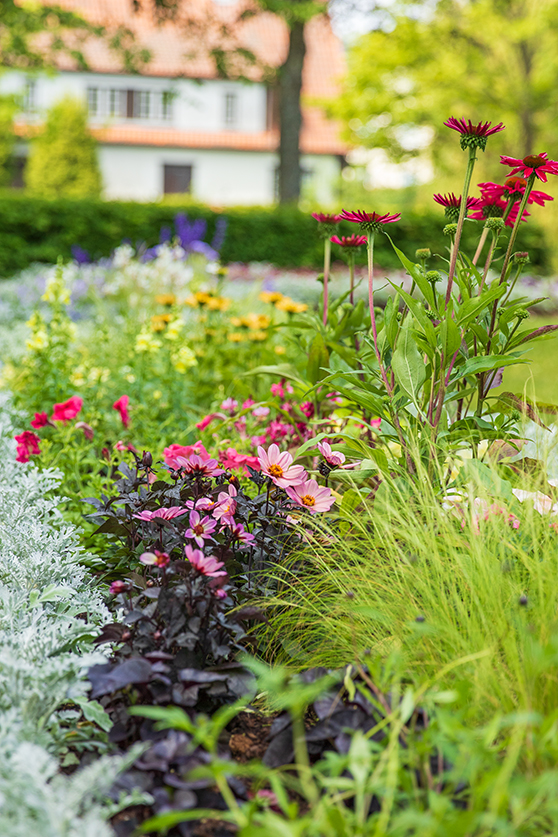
[{"x": 540, "y": 376}]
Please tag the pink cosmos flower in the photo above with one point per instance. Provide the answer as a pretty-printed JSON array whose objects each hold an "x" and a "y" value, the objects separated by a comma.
[
  {"x": 163, "y": 513},
  {"x": 229, "y": 405},
  {"x": 40, "y": 420},
  {"x": 67, "y": 409},
  {"x": 226, "y": 506},
  {"x": 369, "y": 221},
  {"x": 122, "y": 406},
  {"x": 155, "y": 559},
  {"x": 278, "y": 466},
  {"x": 206, "y": 421},
  {"x": 248, "y": 403},
  {"x": 261, "y": 412},
  {"x": 118, "y": 587},
  {"x": 199, "y": 467},
  {"x": 200, "y": 529},
  {"x": 333, "y": 458},
  {"x": 349, "y": 241},
  {"x": 539, "y": 164},
  {"x": 231, "y": 458},
  {"x": 239, "y": 533},
  {"x": 313, "y": 497},
  {"x": 173, "y": 451},
  {"x": 205, "y": 564}
]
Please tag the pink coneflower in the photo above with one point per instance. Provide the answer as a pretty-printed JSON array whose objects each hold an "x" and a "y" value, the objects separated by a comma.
[
  {"x": 369, "y": 221},
  {"x": 207, "y": 565},
  {"x": 163, "y": 513},
  {"x": 473, "y": 136},
  {"x": 122, "y": 406},
  {"x": 199, "y": 467},
  {"x": 40, "y": 420},
  {"x": 239, "y": 533},
  {"x": 67, "y": 409},
  {"x": 514, "y": 189},
  {"x": 493, "y": 207},
  {"x": 333, "y": 458},
  {"x": 226, "y": 506},
  {"x": 325, "y": 220},
  {"x": 229, "y": 405},
  {"x": 155, "y": 559},
  {"x": 537, "y": 164},
  {"x": 350, "y": 241},
  {"x": 452, "y": 204},
  {"x": 278, "y": 466},
  {"x": 311, "y": 496},
  {"x": 201, "y": 529}
]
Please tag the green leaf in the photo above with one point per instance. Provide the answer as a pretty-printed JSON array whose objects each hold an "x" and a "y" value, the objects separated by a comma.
[
  {"x": 486, "y": 363},
  {"x": 318, "y": 358},
  {"x": 408, "y": 365},
  {"x": 94, "y": 712}
]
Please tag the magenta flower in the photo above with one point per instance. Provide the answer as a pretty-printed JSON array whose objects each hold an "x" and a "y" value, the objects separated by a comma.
[
  {"x": 473, "y": 136},
  {"x": 278, "y": 429},
  {"x": 307, "y": 409},
  {"x": 349, "y": 241},
  {"x": 493, "y": 207},
  {"x": 277, "y": 390},
  {"x": 333, "y": 458},
  {"x": 278, "y": 466},
  {"x": 67, "y": 409},
  {"x": 232, "y": 459},
  {"x": 206, "y": 421},
  {"x": 163, "y": 513},
  {"x": 40, "y": 420},
  {"x": 311, "y": 496},
  {"x": 170, "y": 453},
  {"x": 514, "y": 188},
  {"x": 376, "y": 423},
  {"x": 537, "y": 164},
  {"x": 199, "y": 467},
  {"x": 239, "y": 533},
  {"x": 202, "y": 504},
  {"x": 229, "y": 405},
  {"x": 205, "y": 564},
  {"x": 118, "y": 587},
  {"x": 122, "y": 406},
  {"x": 200, "y": 529},
  {"x": 261, "y": 412},
  {"x": 155, "y": 559},
  {"x": 248, "y": 403},
  {"x": 452, "y": 204},
  {"x": 324, "y": 218},
  {"x": 226, "y": 506},
  {"x": 369, "y": 221},
  {"x": 27, "y": 445}
]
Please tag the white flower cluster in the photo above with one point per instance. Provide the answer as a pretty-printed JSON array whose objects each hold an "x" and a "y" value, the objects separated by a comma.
[{"x": 49, "y": 612}]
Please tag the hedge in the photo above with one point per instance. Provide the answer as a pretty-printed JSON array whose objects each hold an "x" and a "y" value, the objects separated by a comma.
[{"x": 37, "y": 230}]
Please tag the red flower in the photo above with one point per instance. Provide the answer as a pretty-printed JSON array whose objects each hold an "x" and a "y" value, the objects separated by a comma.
[
  {"x": 40, "y": 420},
  {"x": 27, "y": 445},
  {"x": 452, "y": 204},
  {"x": 539, "y": 164},
  {"x": 349, "y": 240},
  {"x": 473, "y": 136},
  {"x": 323, "y": 218},
  {"x": 513, "y": 188},
  {"x": 122, "y": 406},
  {"x": 68, "y": 409},
  {"x": 493, "y": 207},
  {"x": 369, "y": 221}
]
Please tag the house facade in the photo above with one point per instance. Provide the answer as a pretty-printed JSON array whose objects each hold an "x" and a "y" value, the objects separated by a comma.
[{"x": 177, "y": 128}]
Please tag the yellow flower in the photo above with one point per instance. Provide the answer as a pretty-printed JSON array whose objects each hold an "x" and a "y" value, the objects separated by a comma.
[
  {"x": 157, "y": 394},
  {"x": 271, "y": 296},
  {"x": 191, "y": 301},
  {"x": 38, "y": 341},
  {"x": 280, "y": 350},
  {"x": 145, "y": 342},
  {"x": 256, "y": 321},
  {"x": 165, "y": 299},
  {"x": 184, "y": 359},
  {"x": 218, "y": 303},
  {"x": 236, "y": 321},
  {"x": 222, "y": 270},
  {"x": 290, "y": 306},
  {"x": 235, "y": 337},
  {"x": 56, "y": 291},
  {"x": 159, "y": 321},
  {"x": 257, "y": 335},
  {"x": 174, "y": 329}
]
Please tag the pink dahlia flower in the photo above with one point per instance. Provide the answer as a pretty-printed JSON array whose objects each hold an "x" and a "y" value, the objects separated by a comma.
[
  {"x": 122, "y": 406},
  {"x": 40, "y": 420},
  {"x": 539, "y": 164},
  {"x": 239, "y": 533},
  {"x": 202, "y": 504},
  {"x": 333, "y": 458},
  {"x": 278, "y": 466},
  {"x": 199, "y": 467},
  {"x": 200, "y": 529},
  {"x": 226, "y": 506},
  {"x": 163, "y": 513},
  {"x": 311, "y": 496},
  {"x": 248, "y": 403},
  {"x": 205, "y": 564},
  {"x": 173, "y": 451},
  {"x": 67, "y": 409},
  {"x": 155, "y": 559}
]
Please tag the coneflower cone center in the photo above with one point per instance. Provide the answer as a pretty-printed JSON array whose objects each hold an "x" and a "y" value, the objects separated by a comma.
[{"x": 534, "y": 161}]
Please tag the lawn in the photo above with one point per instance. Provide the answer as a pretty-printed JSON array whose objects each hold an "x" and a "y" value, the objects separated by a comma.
[{"x": 539, "y": 377}]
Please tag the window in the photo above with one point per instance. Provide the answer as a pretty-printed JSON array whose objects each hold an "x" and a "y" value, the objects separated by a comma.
[
  {"x": 166, "y": 104},
  {"x": 138, "y": 104},
  {"x": 116, "y": 102},
  {"x": 230, "y": 109},
  {"x": 93, "y": 101},
  {"x": 29, "y": 96},
  {"x": 177, "y": 179}
]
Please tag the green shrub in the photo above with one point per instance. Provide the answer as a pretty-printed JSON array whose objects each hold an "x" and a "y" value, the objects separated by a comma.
[
  {"x": 63, "y": 157},
  {"x": 33, "y": 229}
]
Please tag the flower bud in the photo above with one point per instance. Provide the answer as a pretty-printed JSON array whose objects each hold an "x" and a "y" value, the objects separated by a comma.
[
  {"x": 523, "y": 600},
  {"x": 450, "y": 229},
  {"x": 494, "y": 224},
  {"x": 423, "y": 253},
  {"x": 433, "y": 276},
  {"x": 147, "y": 459},
  {"x": 521, "y": 258},
  {"x": 522, "y": 314}
]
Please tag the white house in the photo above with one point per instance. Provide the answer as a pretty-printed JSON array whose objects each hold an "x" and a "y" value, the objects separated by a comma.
[{"x": 177, "y": 127}]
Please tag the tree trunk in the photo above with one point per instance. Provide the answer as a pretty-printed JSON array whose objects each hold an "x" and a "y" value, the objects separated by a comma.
[{"x": 290, "y": 116}]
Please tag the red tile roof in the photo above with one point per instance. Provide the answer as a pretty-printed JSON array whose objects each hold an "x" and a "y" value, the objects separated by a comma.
[{"x": 175, "y": 54}]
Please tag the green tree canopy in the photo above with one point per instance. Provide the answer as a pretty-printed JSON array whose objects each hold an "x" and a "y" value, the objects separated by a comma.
[
  {"x": 493, "y": 60},
  {"x": 63, "y": 157}
]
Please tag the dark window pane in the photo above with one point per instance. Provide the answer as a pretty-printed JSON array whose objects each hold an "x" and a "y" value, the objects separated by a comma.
[
  {"x": 177, "y": 179},
  {"x": 130, "y": 104}
]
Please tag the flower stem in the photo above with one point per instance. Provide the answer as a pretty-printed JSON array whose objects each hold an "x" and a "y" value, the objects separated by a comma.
[
  {"x": 460, "y": 221},
  {"x": 352, "y": 277},
  {"x": 371, "y": 289},
  {"x": 327, "y": 263},
  {"x": 481, "y": 245},
  {"x": 513, "y": 236}
]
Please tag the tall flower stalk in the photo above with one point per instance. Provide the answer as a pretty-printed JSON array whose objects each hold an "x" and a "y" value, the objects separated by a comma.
[{"x": 327, "y": 226}]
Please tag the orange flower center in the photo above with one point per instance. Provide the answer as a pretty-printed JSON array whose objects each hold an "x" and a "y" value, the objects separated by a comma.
[
  {"x": 198, "y": 530},
  {"x": 308, "y": 500},
  {"x": 515, "y": 181},
  {"x": 275, "y": 471},
  {"x": 534, "y": 161}
]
